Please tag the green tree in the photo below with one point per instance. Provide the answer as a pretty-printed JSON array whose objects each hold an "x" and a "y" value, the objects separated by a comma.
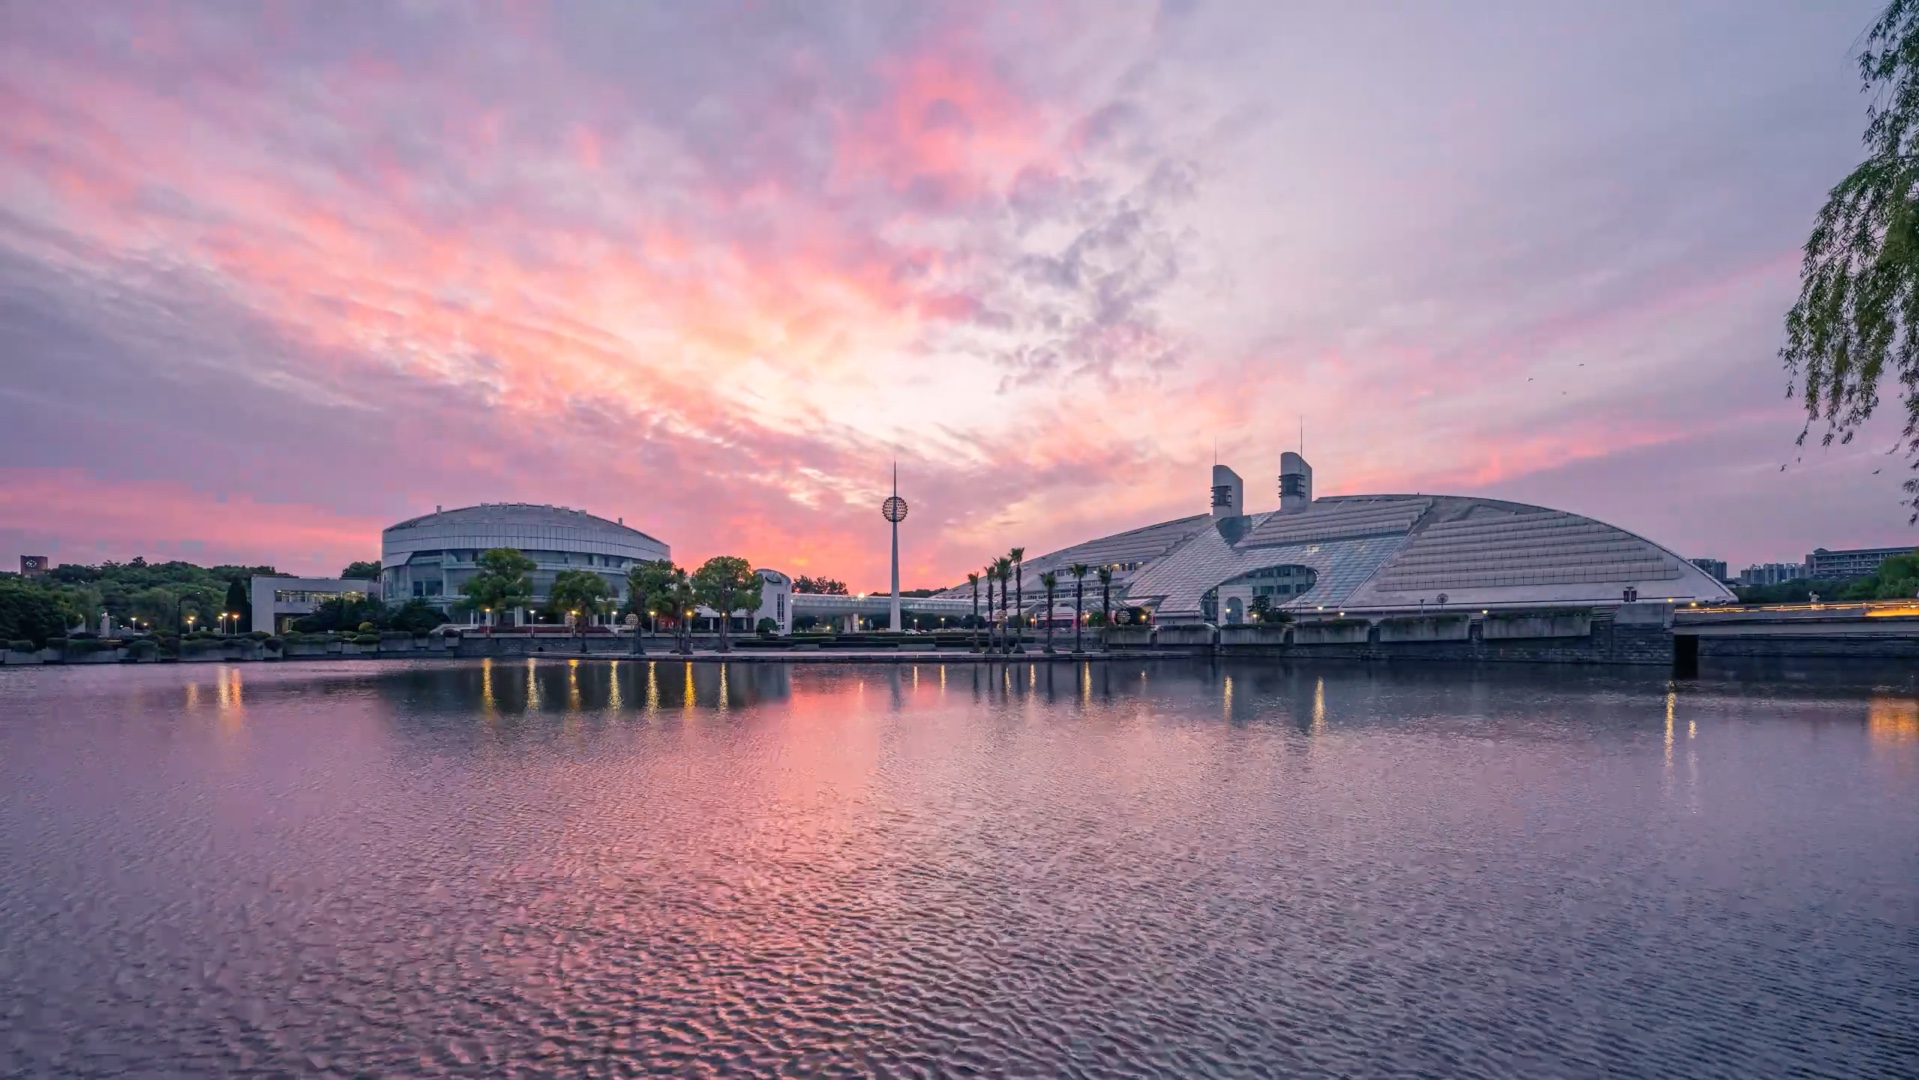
[
  {"x": 1049, "y": 581},
  {"x": 647, "y": 584},
  {"x": 362, "y": 571},
  {"x": 337, "y": 613},
  {"x": 28, "y": 613},
  {"x": 1897, "y": 578},
  {"x": 238, "y": 604},
  {"x": 726, "y": 583},
  {"x": 682, "y": 596},
  {"x": 1079, "y": 571},
  {"x": 78, "y": 603},
  {"x": 416, "y": 616},
  {"x": 177, "y": 607},
  {"x": 1856, "y": 321},
  {"x": 578, "y": 593},
  {"x": 503, "y": 582},
  {"x": 1105, "y": 596}
]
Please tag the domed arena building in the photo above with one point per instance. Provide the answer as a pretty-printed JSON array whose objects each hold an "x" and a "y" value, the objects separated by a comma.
[
  {"x": 431, "y": 556},
  {"x": 1373, "y": 554}
]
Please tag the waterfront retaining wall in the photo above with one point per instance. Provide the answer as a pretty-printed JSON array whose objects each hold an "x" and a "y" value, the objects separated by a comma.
[
  {"x": 1807, "y": 647},
  {"x": 1541, "y": 638},
  {"x": 1425, "y": 628}
]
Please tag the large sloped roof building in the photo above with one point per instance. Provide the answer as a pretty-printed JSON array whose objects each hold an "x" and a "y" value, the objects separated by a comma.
[{"x": 1377, "y": 554}]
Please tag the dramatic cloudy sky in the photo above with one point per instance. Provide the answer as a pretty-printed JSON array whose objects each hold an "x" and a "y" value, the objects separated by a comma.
[{"x": 275, "y": 275}]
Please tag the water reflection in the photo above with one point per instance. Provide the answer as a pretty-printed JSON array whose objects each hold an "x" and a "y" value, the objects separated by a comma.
[
  {"x": 1893, "y": 721},
  {"x": 1045, "y": 867}
]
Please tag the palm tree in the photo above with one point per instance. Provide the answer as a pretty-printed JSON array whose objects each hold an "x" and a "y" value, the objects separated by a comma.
[
  {"x": 1018, "y": 558},
  {"x": 973, "y": 580},
  {"x": 1004, "y": 568},
  {"x": 1049, "y": 581},
  {"x": 992, "y": 573},
  {"x": 1078, "y": 570},
  {"x": 679, "y": 593},
  {"x": 1106, "y": 595}
]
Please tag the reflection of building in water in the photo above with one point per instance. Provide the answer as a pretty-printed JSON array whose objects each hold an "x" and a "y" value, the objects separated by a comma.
[
  {"x": 1892, "y": 720},
  {"x": 575, "y": 687}
]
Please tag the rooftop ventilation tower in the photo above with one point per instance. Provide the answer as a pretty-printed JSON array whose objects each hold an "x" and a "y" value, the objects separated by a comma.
[
  {"x": 1295, "y": 483},
  {"x": 1229, "y": 493}
]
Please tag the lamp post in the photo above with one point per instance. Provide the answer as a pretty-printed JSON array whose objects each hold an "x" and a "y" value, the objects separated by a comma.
[{"x": 894, "y": 510}]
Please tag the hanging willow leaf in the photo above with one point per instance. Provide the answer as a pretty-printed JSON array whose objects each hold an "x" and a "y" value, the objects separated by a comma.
[{"x": 1857, "y": 318}]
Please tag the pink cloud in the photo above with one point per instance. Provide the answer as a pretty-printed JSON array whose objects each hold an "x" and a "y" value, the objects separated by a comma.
[{"x": 78, "y": 517}]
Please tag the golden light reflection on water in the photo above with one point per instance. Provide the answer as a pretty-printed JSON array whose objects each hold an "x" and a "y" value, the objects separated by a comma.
[
  {"x": 652, "y": 688},
  {"x": 532, "y": 686},
  {"x": 1319, "y": 706},
  {"x": 488, "y": 703},
  {"x": 688, "y": 694},
  {"x": 572, "y": 686},
  {"x": 723, "y": 687},
  {"x": 230, "y": 704},
  {"x": 1226, "y": 698},
  {"x": 613, "y": 699},
  {"x": 1892, "y": 722},
  {"x": 1672, "y": 704}
]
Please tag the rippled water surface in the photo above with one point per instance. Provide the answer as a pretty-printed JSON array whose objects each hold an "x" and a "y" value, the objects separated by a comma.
[{"x": 577, "y": 868}]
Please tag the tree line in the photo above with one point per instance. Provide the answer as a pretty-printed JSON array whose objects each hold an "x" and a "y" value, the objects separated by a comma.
[{"x": 656, "y": 589}]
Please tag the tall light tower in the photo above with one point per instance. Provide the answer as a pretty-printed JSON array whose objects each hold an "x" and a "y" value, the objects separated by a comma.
[{"x": 894, "y": 510}]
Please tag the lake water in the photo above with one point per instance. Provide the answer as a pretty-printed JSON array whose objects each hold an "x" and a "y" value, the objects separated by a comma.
[{"x": 1130, "y": 869}]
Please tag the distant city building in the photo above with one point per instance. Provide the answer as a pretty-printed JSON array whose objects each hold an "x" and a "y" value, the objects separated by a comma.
[
  {"x": 33, "y": 565},
  {"x": 1824, "y": 565},
  {"x": 1773, "y": 573},
  {"x": 430, "y": 557},
  {"x": 1372, "y": 554},
  {"x": 279, "y": 601},
  {"x": 1715, "y": 567}
]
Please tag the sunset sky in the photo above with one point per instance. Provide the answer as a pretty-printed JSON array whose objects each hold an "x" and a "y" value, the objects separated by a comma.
[{"x": 276, "y": 275}]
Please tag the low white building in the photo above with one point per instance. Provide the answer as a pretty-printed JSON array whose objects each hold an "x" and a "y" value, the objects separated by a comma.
[{"x": 278, "y": 601}]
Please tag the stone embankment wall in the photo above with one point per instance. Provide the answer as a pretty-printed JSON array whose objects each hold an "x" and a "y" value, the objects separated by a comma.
[
  {"x": 1573, "y": 637},
  {"x": 1809, "y": 647}
]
